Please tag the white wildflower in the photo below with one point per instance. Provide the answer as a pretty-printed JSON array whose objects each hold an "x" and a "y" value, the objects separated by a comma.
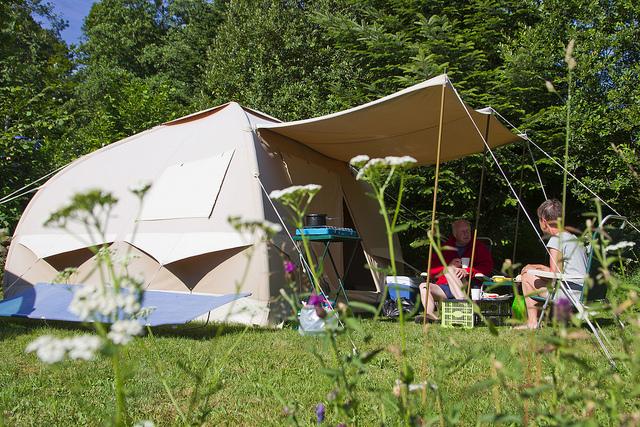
[
  {"x": 294, "y": 190},
  {"x": 400, "y": 161},
  {"x": 371, "y": 164},
  {"x": 103, "y": 302},
  {"x": 129, "y": 303},
  {"x": 123, "y": 331},
  {"x": 619, "y": 246},
  {"x": 242, "y": 224},
  {"x": 359, "y": 161},
  {"x": 144, "y": 423},
  {"x": 91, "y": 300},
  {"x": 271, "y": 227},
  {"x": 53, "y": 350},
  {"x": 83, "y": 347},
  {"x": 568, "y": 55},
  {"x": 549, "y": 86},
  {"x": 144, "y": 312},
  {"x": 47, "y": 348}
]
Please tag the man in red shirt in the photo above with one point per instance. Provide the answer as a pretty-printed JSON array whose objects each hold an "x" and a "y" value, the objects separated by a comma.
[{"x": 449, "y": 279}]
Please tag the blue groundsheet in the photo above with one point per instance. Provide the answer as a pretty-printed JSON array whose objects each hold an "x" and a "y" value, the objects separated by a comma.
[{"x": 51, "y": 302}]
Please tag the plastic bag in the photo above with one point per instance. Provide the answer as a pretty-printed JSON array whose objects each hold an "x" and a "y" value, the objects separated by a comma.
[
  {"x": 390, "y": 307},
  {"x": 310, "y": 322},
  {"x": 519, "y": 308}
]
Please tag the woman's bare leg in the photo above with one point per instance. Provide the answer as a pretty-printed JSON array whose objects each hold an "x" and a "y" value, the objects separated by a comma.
[
  {"x": 436, "y": 294},
  {"x": 533, "y": 285},
  {"x": 456, "y": 285}
]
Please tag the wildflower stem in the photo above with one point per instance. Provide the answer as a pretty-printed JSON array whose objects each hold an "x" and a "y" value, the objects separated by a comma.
[
  {"x": 118, "y": 378},
  {"x": 566, "y": 151},
  {"x": 163, "y": 380}
]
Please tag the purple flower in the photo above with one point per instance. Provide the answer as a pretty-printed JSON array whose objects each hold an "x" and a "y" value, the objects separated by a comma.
[
  {"x": 289, "y": 267},
  {"x": 320, "y": 413},
  {"x": 316, "y": 300},
  {"x": 563, "y": 310}
]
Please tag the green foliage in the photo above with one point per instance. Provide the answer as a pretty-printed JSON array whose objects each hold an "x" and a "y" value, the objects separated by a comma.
[
  {"x": 604, "y": 102},
  {"x": 272, "y": 56},
  {"x": 34, "y": 71}
]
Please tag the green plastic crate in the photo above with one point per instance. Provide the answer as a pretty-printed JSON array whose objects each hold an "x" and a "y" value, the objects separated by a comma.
[{"x": 456, "y": 313}]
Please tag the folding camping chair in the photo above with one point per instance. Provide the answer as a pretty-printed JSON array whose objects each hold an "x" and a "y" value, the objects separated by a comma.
[{"x": 598, "y": 291}]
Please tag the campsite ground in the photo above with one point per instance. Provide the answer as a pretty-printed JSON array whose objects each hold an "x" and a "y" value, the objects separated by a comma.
[{"x": 260, "y": 369}]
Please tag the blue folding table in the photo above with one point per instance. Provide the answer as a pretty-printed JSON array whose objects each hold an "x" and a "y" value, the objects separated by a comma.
[{"x": 326, "y": 236}]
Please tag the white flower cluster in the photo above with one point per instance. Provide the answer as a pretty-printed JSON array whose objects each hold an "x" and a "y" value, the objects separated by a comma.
[
  {"x": 619, "y": 246},
  {"x": 359, "y": 160},
  {"x": 144, "y": 312},
  {"x": 294, "y": 191},
  {"x": 51, "y": 350},
  {"x": 93, "y": 300},
  {"x": 123, "y": 331},
  {"x": 271, "y": 227},
  {"x": 403, "y": 161},
  {"x": 241, "y": 224},
  {"x": 365, "y": 164},
  {"x": 144, "y": 423}
]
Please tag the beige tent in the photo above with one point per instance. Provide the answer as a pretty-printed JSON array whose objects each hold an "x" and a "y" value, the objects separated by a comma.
[{"x": 221, "y": 162}]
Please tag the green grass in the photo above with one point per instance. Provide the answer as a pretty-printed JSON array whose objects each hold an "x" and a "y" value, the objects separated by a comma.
[{"x": 258, "y": 367}]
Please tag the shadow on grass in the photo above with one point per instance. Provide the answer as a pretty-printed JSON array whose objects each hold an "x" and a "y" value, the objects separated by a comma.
[
  {"x": 11, "y": 327},
  {"x": 201, "y": 331}
]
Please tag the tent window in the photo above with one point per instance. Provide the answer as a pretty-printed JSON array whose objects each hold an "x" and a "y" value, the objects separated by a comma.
[
  {"x": 187, "y": 190},
  {"x": 359, "y": 277}
]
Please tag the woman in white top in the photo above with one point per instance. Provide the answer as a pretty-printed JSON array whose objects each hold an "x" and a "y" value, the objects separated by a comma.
[{"x": 566, "y": 255}]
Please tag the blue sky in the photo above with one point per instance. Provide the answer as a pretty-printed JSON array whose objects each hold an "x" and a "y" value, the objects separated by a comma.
[{"x": 73, "y": 11}]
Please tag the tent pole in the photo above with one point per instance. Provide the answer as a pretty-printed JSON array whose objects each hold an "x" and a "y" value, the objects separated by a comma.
[
  {"x": 477, "y": 220},
  {"x": 435, "y": 199}
]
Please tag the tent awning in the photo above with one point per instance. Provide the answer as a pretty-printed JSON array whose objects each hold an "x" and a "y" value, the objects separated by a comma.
[{"x": 402, "y": 124}]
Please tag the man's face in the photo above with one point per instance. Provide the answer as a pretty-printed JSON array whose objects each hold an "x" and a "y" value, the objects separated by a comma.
[
  {"x": 462, "y": 233},
  {"x": 544, "y": 225}
]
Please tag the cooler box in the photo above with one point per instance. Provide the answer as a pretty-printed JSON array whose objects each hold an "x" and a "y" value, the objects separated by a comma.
[{"x": 403, "y": 287}]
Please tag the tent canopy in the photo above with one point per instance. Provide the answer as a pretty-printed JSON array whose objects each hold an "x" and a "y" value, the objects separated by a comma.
[{"x": 402, "y": 124}]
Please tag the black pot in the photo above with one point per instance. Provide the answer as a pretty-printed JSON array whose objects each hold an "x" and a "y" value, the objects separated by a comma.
[{"x": 315, "y": 220}]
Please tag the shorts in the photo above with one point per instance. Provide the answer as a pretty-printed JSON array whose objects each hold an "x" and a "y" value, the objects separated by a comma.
[
  {"x": 574, "y": 288},
  {"x": 447, "y": 291}
]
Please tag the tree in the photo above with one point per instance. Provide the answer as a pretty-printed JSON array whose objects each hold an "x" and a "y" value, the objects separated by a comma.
[
  {"x": 605, "y": 117},
  {"x": 272, "y": 56},
  {"x": 34, "y": 84},
  {"x": 140, "y": 66}
]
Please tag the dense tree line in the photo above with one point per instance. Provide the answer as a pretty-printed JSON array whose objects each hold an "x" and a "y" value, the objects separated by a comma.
[{"x": 142, "y": 62}]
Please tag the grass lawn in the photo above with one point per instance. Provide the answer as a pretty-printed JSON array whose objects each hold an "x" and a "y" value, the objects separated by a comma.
[{"x": 260, "y": 371}]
